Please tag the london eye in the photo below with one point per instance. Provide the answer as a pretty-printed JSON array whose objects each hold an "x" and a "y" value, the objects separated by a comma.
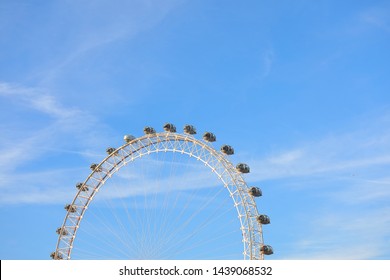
[{"x": 142, "y": 208}]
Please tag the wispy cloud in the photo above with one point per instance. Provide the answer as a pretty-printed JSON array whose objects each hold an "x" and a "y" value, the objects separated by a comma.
[
  {"x": 97, "y": 24},
  {"x": 43, "y": 187},
  {"x": 37, "y": 99},
  {"x": 347, "y": 153},
  {"x": 45, "y": 126},
  {"x": 161, "y": 179},
  {"x": 378, "y": 17},
  {"x": 353, "y": 224},
  {"x": 49, "y": 137},
  {"x": 359, "y": 235},
  {"x": 345, "y": 176},
  {"x": 267, "y": 61},
  {"x": 133, "y": 180}
]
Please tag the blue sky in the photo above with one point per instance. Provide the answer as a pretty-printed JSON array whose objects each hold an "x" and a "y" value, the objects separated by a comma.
[{"x": 300, "y": 89}]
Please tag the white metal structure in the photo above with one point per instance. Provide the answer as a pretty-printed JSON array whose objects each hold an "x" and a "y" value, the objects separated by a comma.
[{"x": 135, "y": 148}]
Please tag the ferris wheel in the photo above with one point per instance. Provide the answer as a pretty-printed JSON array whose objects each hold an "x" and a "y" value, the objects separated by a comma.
[{"x": 130, "y": 203}]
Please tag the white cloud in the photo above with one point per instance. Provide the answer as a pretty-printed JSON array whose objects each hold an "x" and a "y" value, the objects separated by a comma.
[
  {"x": 356, "y": 160},
  {"x": 267, "y": 59},
  {"x": 44, "y": 187},
  {"x": 59, "y": 126},
  {"x": 346, "y": 154},
  {"x": 377, "y": 17},
  {"x": 93, "y": 25},
  {"x": 352, "y": 236},
  {"x": 176, "y": 174},
  {"x": 37, "y": 99},
  {"x": 359, "y": 191},
  {"x": 196, "y": 177},
  {"x": 342, "y": 183}
]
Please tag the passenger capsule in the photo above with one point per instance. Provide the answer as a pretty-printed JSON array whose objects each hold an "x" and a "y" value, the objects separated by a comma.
[
  {"x": 263, "y": 219},
  {"x": 149, "y": 130},
  {"x": 209, "y": 137},
  {"x": 82, "y": 187},
  {"x": 168, "y": 127},
  {"x": 110, "y": 150},
  {"x": 189, "y": 129},
  {"x": 70, "y": 208},
  {"x": 128, "y": 138},
  {"x": 61, "y": 231},
  {"x": 254, "y": 191},
  {"x": 266, "y": 250},
  {"x": 56, "y": 256},
  {"x": 95, "y": 167},
  {"x": 243, "y": 168},
  {"x": 228, "y": 150}
]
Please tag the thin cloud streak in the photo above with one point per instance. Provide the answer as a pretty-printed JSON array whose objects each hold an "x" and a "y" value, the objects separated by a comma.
[
  {"x": 59, "y": 123},
  {"x": 126, "y": 20},
  {"x": 63, "y": 121},
  {"x": 53, "y": 187},
  {"x": 36, "y": 99},
  {"x": 378, "y": 17},
  {"x": 347, "y": 176},
  {"x": 43, "y": 188},
  {"x": 268, "y": 60},
  {"x": 345, "y": 236},
  {"x": 343, "y": 154}
]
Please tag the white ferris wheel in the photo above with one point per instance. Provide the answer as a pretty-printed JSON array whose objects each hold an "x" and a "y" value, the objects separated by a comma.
[{"x": 164, "y": 204}]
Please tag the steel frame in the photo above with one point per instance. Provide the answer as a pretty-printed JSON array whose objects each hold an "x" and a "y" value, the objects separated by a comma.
[{"x": 168, "y": 142}]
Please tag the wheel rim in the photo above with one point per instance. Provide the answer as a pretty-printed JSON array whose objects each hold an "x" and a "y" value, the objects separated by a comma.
[{"x": 217, "y": 162}]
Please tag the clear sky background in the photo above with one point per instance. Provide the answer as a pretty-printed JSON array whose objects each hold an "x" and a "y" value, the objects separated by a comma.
[{"x": 300, "y": 89}]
